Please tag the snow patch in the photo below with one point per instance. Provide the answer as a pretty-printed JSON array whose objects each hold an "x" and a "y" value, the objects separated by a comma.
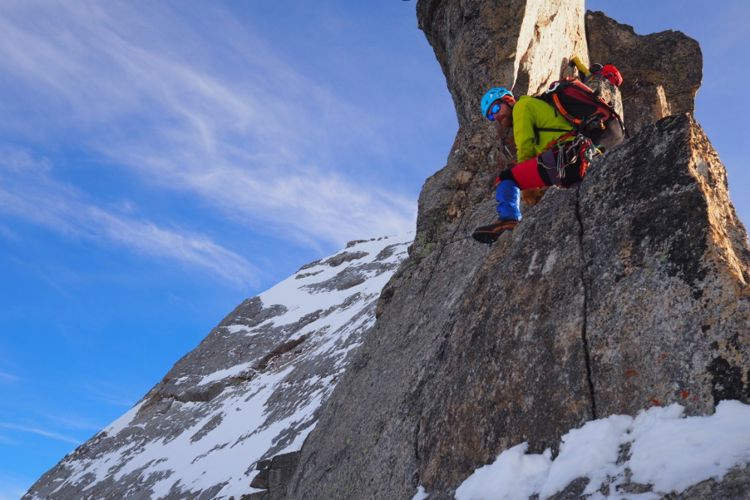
[
  {"x": 232, "y": 371},
  {"x": 421, "y": 494},
  {"x": 115, "y": 427},
  {"x": 233, "y": 329},
  {"x": 513, "y": 475},
  {"x": 668, "y": 451}
]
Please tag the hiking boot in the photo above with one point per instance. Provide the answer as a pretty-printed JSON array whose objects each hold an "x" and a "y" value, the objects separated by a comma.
[{"x": 490, "y": 232}]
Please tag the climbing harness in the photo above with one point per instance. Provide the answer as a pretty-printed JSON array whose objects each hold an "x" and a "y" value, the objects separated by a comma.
[{"x": 563, "y": 154}]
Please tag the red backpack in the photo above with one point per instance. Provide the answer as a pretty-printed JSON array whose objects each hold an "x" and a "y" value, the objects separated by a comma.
[{"x": 586, "y": 111}]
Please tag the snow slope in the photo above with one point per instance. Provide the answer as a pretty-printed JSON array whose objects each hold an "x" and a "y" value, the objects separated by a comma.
[{"x": 249, "y": 391}]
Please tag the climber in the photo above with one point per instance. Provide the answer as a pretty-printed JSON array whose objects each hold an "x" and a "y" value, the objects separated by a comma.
[
  {"x": 526, "y": 117},
  {"x": 553, "y": 146},
  {"x": 608, "y": 72}
]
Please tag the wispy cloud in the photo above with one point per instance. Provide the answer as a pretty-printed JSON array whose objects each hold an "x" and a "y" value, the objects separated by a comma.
[
  {"x": 218, "y": 115},
  {"x": 28, "y": 191},
  {"x": 39, "y": 432},
  {"x": 7, "y": 378},
  {"x": 74, "y": 422}
]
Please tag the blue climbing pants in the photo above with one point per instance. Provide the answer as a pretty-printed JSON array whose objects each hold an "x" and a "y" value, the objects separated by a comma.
[
  {"x": 508, "y": 198},
  {"x": 528, "y": 174}
]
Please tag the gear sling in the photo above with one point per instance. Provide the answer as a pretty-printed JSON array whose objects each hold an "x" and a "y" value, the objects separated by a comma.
[{"x": 563, "y": 164}]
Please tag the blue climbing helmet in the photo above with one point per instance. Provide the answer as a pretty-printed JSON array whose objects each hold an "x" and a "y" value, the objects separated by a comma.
[{"x": 493, "y": 95}]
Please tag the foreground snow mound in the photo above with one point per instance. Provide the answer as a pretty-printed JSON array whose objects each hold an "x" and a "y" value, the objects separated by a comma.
[
  {"x": 658, "y": 450},
  {"x": 251, "y": 390}
]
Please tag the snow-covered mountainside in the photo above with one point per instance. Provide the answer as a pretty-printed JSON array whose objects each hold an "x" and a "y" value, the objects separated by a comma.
[{"x": 251, "y": 390}]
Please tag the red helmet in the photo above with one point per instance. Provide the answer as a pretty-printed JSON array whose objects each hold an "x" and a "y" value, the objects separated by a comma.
[{"x": 611, "y": 73}]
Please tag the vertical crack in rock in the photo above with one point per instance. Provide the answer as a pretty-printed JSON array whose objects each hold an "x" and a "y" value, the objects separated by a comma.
[
  {"x": 584, "y": 338},
  {"x": 417, "y": 428}
]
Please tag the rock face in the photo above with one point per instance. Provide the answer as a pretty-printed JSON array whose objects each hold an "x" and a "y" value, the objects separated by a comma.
[
  {"x": 667, "y": 260},
  {"x": 273, "y": 477},
  {"x": 249, "y": 392},
  {"x": 626, "y": 292},
  {"x": 521, "y": 44},
  {"x": 661, "y": 72}
]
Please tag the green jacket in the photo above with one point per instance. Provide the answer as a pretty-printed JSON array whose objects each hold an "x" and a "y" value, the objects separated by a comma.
[{"x": 529, "y": 115}]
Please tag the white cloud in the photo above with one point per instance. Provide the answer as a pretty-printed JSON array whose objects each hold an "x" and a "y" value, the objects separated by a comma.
[
  {"x": 37, "y": 197},
  {"x": 40, "y": 432},
  {"x": 75, "y": 422},
  {"x": 218, "y": 115}
]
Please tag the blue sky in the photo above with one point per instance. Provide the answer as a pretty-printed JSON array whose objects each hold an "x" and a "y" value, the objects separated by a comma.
[{"x": 160, "y": 162}]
